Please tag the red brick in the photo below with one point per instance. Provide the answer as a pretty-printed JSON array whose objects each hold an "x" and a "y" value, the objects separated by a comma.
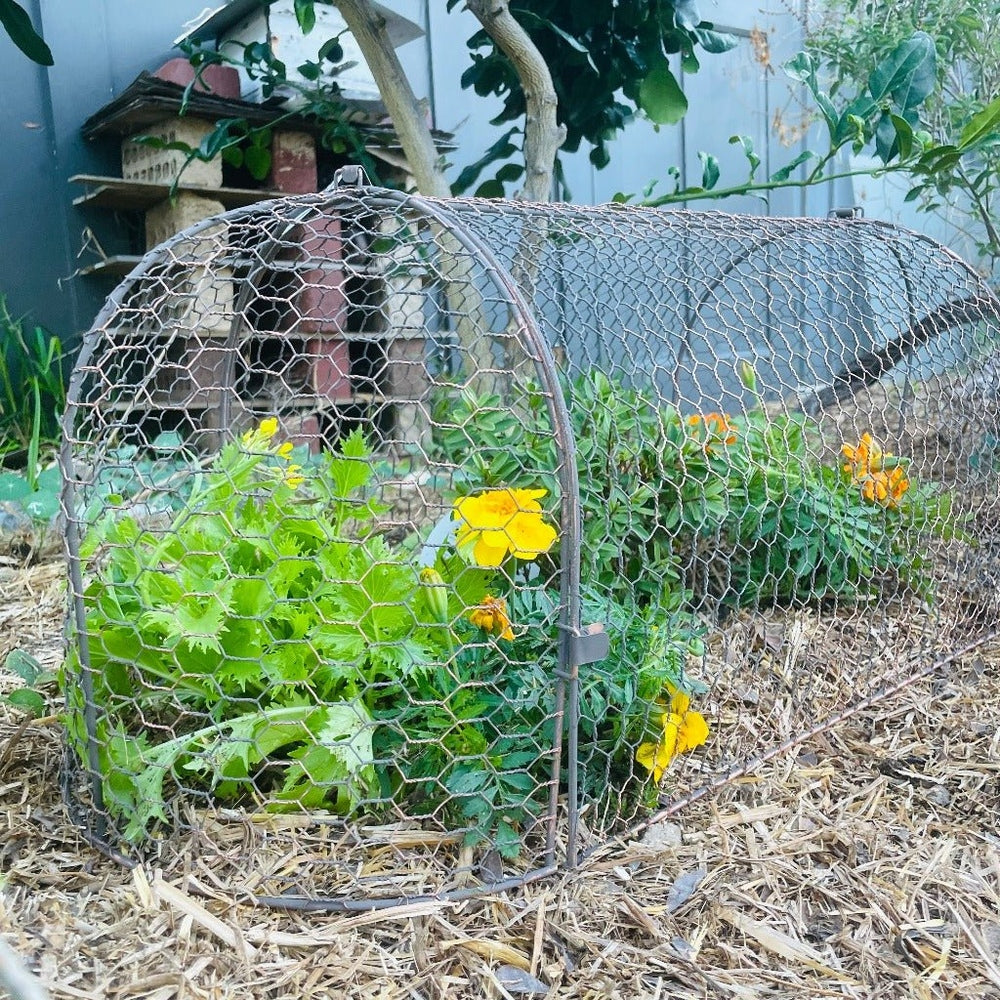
[
  {"x": 301, "y": 429},
  {"x": 222, "y": 81},
  {"x": 293, "y": 162},
  {"x": 330, "y": 368},
  {"x": 317, "y": 288}
]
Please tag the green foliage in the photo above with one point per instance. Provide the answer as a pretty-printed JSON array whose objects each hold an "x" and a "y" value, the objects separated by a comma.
[
  {"x": 738, "y": 507},
  {"x": 242, "y": 144},
  {"x": 885, "y": 112},
  {"x": 608, "y": 61},
  {"x": 32, "y": 394},
  {"x": 31, "y": 698},
  {"x": 960, "y": 110},
  {"x": 801, "y": 531},
  {"x": 38, "y": 499},
  {"x": 269, "y": 613},
  {"x": 17, "y": 24}
]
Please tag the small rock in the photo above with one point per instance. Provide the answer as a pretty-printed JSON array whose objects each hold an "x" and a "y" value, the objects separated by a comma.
[
  {"x": 14, "y": 521},
  {"x": 684, "y": 888},
  {"x": 663, "y": 836}
]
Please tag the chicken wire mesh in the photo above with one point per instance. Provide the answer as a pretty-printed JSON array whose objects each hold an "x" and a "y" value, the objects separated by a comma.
[{"x": 418, "y": 547}]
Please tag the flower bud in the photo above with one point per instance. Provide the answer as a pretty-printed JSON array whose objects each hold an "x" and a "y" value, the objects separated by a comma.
[{"x": 435, "y": 593}]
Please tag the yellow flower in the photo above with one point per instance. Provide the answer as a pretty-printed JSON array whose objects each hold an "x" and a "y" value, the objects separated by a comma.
[
  {"x": 500, "y": 521},
  {"x": 683, "y": 730},
  {"x": 293, "y": 476},
  {"x": 492, "y": 616},
  {"x": 284, "y": 450},
  {"x": 260, "y": 437}
]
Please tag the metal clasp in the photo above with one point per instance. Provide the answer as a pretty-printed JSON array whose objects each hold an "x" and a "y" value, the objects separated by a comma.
[
  {"x": 349, "y": 176},
  {"x": 586, "y": 645}
]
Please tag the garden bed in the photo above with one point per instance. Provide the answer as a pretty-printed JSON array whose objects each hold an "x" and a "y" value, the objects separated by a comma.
[{"x": 862, "y": 863}]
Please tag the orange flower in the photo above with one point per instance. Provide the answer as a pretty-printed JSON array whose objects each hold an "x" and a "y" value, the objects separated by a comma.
[
  {"x": 492, "y": 616},
  {"x": 866, "y": 466},
  {"x": 864, "y": 459},
  {"x": 718, "y": 428}
]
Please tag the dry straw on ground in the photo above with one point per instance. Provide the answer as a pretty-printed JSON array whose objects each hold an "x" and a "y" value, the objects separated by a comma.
[{"x": 865, "y": 863}]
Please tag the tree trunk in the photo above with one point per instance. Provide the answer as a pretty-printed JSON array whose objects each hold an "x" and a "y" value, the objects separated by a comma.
[
  {"x": 543, "y": 135},
  {"x": 368, "y": 28}
]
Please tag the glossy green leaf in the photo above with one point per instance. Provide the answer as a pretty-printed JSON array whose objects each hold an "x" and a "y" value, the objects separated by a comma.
[
  {"x": 661, "y": 97},
  {"x": 715, "y": 42},
  {"x": 985, "y": 124},
  {"x": 786, "y": 171},
  {"x": 18, "y": 26},
  {"x": 746, "y": 143},
  {"x": 687, "y": 14},
  {"x": 909, "y": 74},
  {"x": 257, "y": 161},
  {"x": 331, "y": 51},
  {"x": 709, "y": 170},
  {"x": 305, "y": 14}
]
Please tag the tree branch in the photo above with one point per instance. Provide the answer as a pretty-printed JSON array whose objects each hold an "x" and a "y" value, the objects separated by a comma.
[{"x": 543, "y": 135}]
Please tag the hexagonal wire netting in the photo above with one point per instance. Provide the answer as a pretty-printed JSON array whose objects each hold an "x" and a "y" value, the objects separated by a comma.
[{"x": 354, "y": 480}]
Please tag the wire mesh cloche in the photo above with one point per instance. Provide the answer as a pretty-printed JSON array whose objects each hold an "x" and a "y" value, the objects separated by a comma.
[{"x": 418, "y": 546}]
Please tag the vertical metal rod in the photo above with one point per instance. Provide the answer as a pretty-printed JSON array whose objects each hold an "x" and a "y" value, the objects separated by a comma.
[{"x": 86, "y": 676}]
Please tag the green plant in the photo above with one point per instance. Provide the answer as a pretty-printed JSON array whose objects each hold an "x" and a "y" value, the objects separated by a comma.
[
  {"x": 31, "y": 698},
  {"x": 17, "y": 24},
  {"x": 883, "y": 112},
  {"x": 259, "y": 612},
  {"x": 739, "y": 507},
  {"x": 609, "y": 63},
  {"x": 267, "y": 644},
  {"x": 802, "y": 531},
  {"x": 241, "y": 144},
  {"x": 643, "y": 477},
  {"x": 848, "y": 42},
  {"x": 32, "y": 394}
]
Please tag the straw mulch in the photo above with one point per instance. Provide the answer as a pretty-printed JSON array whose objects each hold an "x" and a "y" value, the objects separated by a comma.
[{"x": 865, "y": 863}]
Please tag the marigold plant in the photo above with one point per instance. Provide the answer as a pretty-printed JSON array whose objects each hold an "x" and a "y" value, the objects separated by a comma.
[{"x": 498, "y": 523}]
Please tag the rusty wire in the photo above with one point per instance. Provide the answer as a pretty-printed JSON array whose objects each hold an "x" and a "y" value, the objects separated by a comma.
[{"x": 769, "y": 451}]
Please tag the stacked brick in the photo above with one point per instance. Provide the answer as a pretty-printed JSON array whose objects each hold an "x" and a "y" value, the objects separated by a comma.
[{"x": 323, "y": 333}]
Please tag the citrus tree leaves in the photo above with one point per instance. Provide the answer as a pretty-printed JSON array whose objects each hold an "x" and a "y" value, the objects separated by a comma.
[
  {"x": 17, "y": 24},
  {"x": 661, "y": 97}
]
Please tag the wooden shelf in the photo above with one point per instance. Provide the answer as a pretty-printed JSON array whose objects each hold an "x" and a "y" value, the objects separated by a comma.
[
  {"x": 162, "y": 400},
  {"x": 136, "y": 196},
  {"x": 116, "y": 266}
]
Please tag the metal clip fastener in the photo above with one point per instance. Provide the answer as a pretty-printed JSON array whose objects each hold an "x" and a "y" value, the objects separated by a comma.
[
  {"x": 586, "y": 645},
  {"x": 349, "y": 176}
]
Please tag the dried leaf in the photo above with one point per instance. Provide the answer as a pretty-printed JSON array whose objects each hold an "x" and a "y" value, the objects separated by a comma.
[
  {"x": 494, "y": 951},
  {"x": 780, "y": 944},
  {"x": 684, "y": 888}
]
